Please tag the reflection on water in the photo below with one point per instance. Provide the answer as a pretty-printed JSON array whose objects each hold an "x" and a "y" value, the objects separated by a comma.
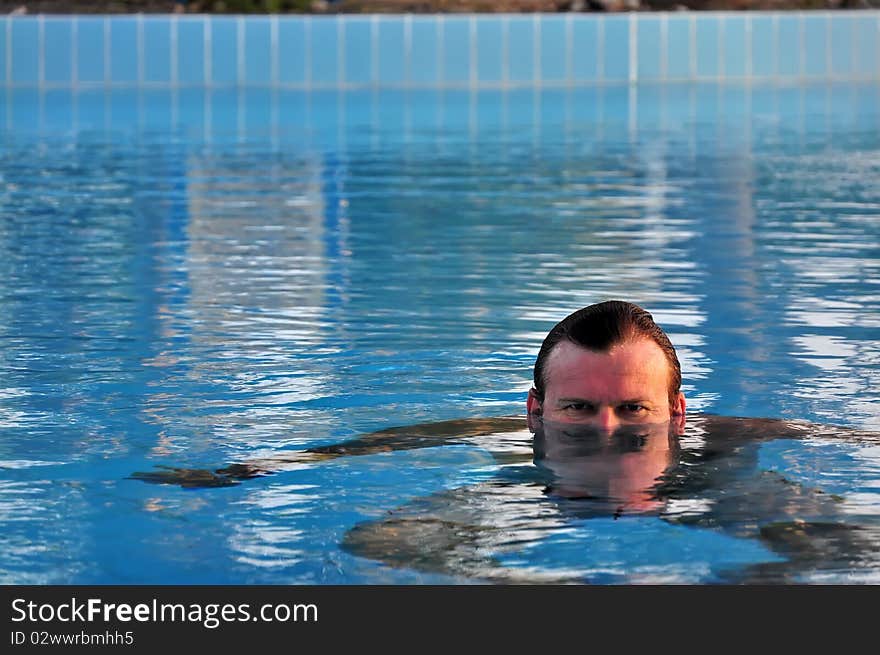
[
  {"x": 38, "y": 545},
  {"x": 193, "y": 277}
]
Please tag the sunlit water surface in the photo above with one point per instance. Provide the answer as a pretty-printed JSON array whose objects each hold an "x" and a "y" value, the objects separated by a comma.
[{"x": 193, "y": 278}]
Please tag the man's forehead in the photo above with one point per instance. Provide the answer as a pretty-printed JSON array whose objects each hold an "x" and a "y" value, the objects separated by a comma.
[{"x": 640, "y": 356}]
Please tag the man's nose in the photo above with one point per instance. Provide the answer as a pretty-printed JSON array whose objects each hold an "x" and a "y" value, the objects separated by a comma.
[{"x": 606, "y": 419}]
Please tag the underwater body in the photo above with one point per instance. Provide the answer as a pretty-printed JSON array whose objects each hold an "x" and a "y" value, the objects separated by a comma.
[{"x": 556, "y": 478}]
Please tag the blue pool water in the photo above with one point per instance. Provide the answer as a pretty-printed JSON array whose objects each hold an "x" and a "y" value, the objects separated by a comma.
[{"x": 190, "y": 278}]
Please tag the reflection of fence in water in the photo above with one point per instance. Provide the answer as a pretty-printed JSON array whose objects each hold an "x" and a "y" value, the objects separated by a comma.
[{"x": 258, "y": 255}]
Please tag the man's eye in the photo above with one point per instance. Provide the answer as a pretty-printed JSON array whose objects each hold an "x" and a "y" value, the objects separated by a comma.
[
  {"x": 577, "y": 407},
  {"x": 634, "y": 408}
]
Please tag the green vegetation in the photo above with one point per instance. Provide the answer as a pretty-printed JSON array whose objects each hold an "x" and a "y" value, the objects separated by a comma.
[
  {"x": 257, "y": 6},
  {"x": 408, "y": 6}
]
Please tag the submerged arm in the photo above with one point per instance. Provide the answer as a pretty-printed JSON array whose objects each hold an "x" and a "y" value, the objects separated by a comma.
[
  {"x": 728, "y": 433},
  {"x": 423, "y": 435}
]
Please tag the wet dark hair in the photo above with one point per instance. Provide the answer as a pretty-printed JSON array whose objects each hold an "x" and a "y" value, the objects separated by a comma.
[{"x": 601, "y": 326}]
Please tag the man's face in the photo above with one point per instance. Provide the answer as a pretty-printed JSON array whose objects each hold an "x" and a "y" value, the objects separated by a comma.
[
  {"x": 628, "y": 385},
  {"x": 619, "y": 468}
]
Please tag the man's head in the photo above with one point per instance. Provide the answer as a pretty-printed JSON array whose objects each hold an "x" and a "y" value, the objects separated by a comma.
[
  {"x": 618, "y": 470},
  {"x": 608, "y": 365}
]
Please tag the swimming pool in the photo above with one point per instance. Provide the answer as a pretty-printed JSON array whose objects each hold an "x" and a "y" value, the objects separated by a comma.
[{"x": 193, "y": 277}]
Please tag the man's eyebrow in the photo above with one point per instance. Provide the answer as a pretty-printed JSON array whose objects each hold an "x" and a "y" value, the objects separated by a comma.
[{"x": 634, "y": 401}]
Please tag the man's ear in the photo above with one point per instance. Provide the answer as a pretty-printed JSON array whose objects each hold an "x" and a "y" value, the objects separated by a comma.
[
  {"x": 533, "y": 403},
  {"x": 533, "y": 407},
  {"x": 678, "y": 413}
]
